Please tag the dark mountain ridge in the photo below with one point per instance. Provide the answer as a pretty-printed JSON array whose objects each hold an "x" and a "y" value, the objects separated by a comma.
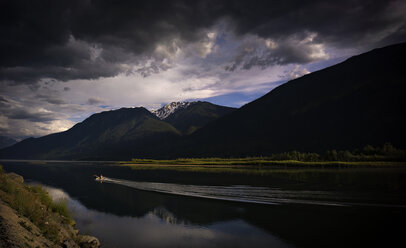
[
  {"x": 108, "y": 134},
  {"x": 116, "y": 134},
  {"x": 349, "y": 105}
]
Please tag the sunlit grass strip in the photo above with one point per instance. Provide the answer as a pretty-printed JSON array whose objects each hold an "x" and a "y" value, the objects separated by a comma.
[
  {"x": 267, "y": 168},
  {"x": 256, "y": 162},
  {"x": 387, "y": 155},
  {"x": 205, "y": 169}
]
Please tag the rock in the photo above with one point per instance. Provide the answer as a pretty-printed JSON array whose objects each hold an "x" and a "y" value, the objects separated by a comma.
[
  {"x": 15, "y": 177},
  {"x": 86, "y": 241},
  {"x": 69, "y": 243}
]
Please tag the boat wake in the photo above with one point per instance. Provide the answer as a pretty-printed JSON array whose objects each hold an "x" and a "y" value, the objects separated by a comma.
[{"x": 235, "y": 193}]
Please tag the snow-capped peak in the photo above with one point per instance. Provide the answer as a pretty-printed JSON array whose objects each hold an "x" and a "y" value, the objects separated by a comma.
[{"x": 169, "y": 109}]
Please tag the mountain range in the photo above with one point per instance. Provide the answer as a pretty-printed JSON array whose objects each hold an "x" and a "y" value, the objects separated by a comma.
[
  {"x": 349, "y": 105},
  {"x": 6, "y": 141},
  {"x": 120, "y": 134}
]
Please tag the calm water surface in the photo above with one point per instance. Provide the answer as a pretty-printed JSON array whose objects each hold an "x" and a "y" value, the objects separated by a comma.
[{"x": 289, "y": 208}]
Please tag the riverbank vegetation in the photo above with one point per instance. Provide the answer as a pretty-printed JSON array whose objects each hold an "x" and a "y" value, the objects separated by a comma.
[
  {"x": 384, "y": 156},
  {"x": 51, "y": 218},
  {"x": 34, "y": 203}
]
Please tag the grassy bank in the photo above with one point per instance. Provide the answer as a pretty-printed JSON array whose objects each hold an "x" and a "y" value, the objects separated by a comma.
[
  {"x": 51, "y": 218},
  {"x": 248, "y": 165},
  {"x": 253, "y": 162},
  {"x": 385, "y": 156},
  {"x": 35, "y": 203}
]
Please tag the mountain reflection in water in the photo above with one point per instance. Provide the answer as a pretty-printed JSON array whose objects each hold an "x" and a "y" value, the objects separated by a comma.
[{"x": 161, "y": 228}]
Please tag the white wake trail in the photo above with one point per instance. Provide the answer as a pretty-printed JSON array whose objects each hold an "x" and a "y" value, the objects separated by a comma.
[{"x": 236, "y": 193}]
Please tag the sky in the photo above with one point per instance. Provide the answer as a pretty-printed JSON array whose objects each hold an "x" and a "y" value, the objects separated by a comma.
[{"x": 62, "y": 61}]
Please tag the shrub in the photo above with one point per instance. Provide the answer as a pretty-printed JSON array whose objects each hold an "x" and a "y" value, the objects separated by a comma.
[
  {"x": 35, "y": 203},
  {"x": 61, "y": 208}
]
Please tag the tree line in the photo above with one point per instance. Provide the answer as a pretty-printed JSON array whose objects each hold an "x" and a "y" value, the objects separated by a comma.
[{"x": 387, "y": 152}]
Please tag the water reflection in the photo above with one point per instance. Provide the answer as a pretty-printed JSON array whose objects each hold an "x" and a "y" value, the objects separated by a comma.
[{"x": 161, "y": 228}]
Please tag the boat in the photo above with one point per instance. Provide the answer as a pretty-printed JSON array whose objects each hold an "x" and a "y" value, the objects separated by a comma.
[{"x": 99, "y": 178}]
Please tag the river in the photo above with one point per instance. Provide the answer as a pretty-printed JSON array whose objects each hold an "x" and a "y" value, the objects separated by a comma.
[{"x": 288, "y": 208}]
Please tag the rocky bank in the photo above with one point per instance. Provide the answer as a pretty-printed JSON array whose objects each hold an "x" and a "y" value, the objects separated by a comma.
[{"x": 25, "y": 221}]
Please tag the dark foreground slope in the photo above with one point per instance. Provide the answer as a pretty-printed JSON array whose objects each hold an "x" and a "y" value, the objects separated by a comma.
[{"x": 357, "y": 102}]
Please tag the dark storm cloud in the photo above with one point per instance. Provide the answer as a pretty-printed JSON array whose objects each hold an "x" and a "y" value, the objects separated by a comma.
[
  {"x": 22, "y": 114},
  {"x": 343, "y": 23},
  {"x": 12, "y": 109},
  {"x": 32, "y": 74},
  {"x": 2, "y": 99},
  {"x": 87, "y": 39},
  {"x": 52, "y": 99},
  {"x": 94, "y": 101},
  {"x": 292, "y": 49}
]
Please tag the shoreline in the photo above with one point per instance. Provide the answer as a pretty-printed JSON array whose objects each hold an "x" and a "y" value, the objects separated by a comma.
[
  {"x": 29, "y": 218},
  {"x": 259, "y": 169}
]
